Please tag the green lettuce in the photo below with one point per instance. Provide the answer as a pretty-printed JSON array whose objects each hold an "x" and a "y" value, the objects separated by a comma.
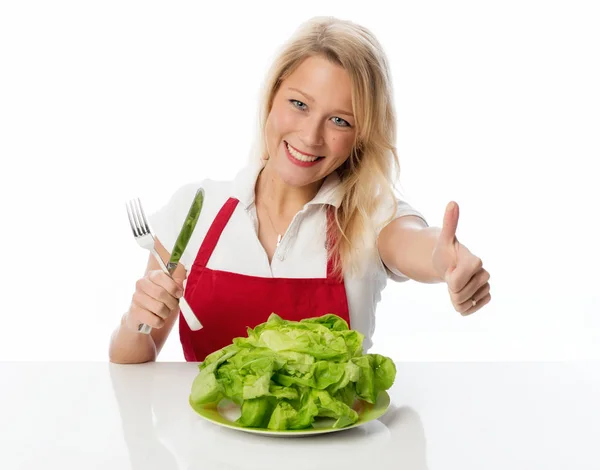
[{"x": 285, "y": 374}]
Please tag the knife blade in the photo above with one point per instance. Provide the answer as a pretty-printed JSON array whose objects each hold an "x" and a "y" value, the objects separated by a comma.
[{"x": 186, "y": 231}]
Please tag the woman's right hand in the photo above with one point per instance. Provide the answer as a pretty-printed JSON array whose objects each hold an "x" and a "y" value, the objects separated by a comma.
[{"x": 156, "y": 297}]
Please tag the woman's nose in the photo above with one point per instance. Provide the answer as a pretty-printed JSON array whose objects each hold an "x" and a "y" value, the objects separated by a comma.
[{"x": 312, "y": 133}]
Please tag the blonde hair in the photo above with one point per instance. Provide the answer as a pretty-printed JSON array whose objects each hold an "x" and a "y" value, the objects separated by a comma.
[{"x": 367, "y": 177}]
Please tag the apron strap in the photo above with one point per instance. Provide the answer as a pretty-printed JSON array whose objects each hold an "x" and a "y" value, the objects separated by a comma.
[
  {"x": 215, "y": 231},
  {"x": 331, "y": 237}
]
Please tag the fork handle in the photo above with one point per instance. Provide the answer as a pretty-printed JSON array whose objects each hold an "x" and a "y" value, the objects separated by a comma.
[{"x": 186, "y": 310}]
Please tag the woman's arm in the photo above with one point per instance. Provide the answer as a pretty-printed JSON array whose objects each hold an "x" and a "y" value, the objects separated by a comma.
[
  {"x": 131, "y": 347},
  {"x": 431, "y": 254},
  {"x": 406, "y": 246}
]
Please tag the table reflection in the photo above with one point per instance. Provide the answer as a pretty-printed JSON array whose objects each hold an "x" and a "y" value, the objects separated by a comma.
[{"x": 163, "y": 432}]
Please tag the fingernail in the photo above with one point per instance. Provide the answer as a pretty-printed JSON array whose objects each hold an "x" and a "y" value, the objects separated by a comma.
[{"x": 179, "y": 294}]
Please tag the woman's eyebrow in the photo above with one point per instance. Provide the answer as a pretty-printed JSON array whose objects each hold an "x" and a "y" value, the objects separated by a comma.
[{"x": 310, "y": 98}]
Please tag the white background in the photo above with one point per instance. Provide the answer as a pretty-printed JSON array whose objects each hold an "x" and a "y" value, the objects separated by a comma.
[{"x": 498, "y": 109}]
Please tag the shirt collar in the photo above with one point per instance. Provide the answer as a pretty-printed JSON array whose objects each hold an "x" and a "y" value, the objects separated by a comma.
[
  {"x": 245, "y": 182},
  {"x": 330, "y": 191}
]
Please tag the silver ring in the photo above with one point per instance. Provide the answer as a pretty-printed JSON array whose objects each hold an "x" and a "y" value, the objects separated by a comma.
[{"x": 473, "y": 302}]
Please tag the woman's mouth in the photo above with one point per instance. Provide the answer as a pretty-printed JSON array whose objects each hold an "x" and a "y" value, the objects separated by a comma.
[{"x": 299, "y": 158}]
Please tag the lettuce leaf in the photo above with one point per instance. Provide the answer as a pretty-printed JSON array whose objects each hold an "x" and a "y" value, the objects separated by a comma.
[{"x": 285, "y": 374}]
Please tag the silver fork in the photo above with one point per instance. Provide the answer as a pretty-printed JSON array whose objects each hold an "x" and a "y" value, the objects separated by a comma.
[{"x": 145, "y": 237}]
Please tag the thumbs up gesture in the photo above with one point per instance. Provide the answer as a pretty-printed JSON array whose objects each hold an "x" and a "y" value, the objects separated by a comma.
[{"x": 468, "y": 283}]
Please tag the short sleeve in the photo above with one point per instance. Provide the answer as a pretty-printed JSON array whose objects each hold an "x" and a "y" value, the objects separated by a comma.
[
  {"x": 168, "y": 220},
  {"x": 403, "y": 209}
]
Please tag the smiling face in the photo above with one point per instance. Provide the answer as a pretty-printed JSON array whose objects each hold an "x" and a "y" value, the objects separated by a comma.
[{"x": 310, "y": 129}]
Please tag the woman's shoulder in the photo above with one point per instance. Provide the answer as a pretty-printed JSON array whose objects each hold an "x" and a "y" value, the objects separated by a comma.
[
  {"x": 215, "y": 191},
  {"x": 169, "y": 218}
]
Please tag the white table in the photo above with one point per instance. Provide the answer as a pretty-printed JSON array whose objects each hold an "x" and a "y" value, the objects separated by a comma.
[{"x": 443, "y": 416}]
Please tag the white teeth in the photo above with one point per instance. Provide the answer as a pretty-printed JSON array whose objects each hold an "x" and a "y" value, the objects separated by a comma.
[{"x": 299, "y": 156}]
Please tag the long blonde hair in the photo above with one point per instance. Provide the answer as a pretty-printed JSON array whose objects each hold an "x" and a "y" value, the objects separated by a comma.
[{"x": 367, "y": 177}]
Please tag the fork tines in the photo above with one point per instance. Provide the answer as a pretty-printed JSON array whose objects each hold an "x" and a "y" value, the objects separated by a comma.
[{"x": 137, "y": 218}]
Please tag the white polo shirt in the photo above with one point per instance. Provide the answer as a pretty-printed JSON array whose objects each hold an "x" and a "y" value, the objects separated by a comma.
[{"x": 301, "y": 253}]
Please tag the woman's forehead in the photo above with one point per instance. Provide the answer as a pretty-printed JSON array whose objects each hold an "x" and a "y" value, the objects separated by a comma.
[{"x": 321, "y": 81}]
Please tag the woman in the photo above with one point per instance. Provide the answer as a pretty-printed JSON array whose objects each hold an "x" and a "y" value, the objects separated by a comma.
[{"x": 312, "y": 225}]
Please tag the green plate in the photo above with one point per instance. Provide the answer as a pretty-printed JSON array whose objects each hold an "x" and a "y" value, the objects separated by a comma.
[{"x": 226, "y": 413}]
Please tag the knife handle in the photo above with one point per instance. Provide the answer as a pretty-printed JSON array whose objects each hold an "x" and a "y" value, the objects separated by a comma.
[{"x": 185, "y": 308}]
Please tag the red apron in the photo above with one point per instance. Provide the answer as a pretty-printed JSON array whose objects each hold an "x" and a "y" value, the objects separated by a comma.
[{"x": 227, "y": 303}]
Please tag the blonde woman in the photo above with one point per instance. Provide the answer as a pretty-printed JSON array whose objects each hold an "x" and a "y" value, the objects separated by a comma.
[{"x": 312, "y": 225}]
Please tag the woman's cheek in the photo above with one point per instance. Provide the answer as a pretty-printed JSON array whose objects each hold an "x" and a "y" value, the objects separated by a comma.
[
  {"x": 283, "y": 121},
  {"x": 342, "y": 146}
]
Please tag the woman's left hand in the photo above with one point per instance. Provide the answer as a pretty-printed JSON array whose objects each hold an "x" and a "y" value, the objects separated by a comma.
[{"x": 468, "y": 283}]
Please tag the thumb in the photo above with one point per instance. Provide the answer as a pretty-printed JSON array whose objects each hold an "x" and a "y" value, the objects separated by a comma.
[{"x": 448, "y": 233}]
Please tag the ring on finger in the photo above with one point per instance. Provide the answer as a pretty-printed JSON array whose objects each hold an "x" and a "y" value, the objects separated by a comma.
[{"x": 480, "y": 294}]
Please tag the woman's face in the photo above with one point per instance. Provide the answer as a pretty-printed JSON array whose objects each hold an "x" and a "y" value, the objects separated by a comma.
[{"x": 310, "y": 128}]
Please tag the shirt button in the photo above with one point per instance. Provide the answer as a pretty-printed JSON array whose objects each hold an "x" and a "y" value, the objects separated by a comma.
[{"x": 280, "y": 256}]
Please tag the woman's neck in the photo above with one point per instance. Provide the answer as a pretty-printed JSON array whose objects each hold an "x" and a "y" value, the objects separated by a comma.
[{"x": 281, "y": 198}]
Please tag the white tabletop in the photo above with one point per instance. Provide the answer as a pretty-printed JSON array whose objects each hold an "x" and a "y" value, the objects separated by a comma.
[{"x": 443, "y": 416}]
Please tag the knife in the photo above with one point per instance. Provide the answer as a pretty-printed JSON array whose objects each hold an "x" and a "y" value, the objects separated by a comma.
[{"x": 180, "y": 245}]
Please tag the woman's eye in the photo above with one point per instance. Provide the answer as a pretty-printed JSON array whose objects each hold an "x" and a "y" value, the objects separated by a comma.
[
  {"x": 341, "y": 122},
  {"x": 298, "y": 104},
  {"x": 338, "y": 121}
]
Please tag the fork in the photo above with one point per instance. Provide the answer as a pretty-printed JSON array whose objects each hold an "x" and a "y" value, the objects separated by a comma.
[{"x": 145, "y": 237}]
